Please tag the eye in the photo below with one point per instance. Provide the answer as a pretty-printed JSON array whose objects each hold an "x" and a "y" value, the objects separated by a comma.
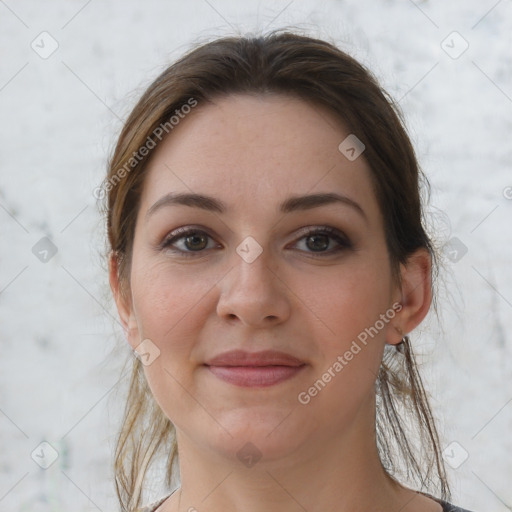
[
  {"x": 323, "y": 240},
  {"x": 317, "y": 241},
  {"x": 188, "y": 240}
]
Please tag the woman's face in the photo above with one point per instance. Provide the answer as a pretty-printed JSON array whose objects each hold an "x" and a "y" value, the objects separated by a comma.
[{"x": 285, "y": 251}]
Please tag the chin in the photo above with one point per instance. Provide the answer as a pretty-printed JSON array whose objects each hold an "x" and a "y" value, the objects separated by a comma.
[{"x": 261, "y": 436}]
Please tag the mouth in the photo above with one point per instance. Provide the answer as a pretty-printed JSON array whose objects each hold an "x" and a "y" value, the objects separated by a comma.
[
  {"x": 254, "y": 376},
  {"x": 258, "y": 369}
]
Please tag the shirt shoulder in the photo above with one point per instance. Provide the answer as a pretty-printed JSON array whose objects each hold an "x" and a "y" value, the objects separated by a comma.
[{"x": 448, "y": 507}]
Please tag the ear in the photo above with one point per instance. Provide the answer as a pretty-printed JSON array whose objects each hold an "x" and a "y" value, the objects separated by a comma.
[
  {"x": 124, "y": 305},
  {"x": 414, "y": 294}
]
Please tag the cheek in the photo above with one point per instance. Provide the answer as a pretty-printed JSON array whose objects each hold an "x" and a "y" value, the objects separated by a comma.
[
  {"x": 171, "y": 308},
  {"x": 166, "y": 300},
  {"x": 348, "y": 327},
  {"x": 349, "y": 300},
  {"x": 343, "y": 384}
]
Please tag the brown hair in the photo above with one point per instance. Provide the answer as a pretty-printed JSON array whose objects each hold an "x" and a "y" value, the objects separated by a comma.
[{"x": 320, "y": 73}]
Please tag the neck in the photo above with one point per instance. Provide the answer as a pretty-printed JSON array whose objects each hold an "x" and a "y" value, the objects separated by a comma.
[{"x": 343, "y": 474}]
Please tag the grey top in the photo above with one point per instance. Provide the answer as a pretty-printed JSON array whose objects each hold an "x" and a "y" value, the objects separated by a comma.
[{"x": 447, "y": 507}]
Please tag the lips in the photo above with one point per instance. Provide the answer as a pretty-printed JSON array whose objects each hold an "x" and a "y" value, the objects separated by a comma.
[
  {"x": 264, "y": 358},
  {"x": 256, "y": 369}
]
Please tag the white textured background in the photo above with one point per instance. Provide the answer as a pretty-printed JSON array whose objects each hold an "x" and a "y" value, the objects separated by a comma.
[{"x": 59, "y": 372}]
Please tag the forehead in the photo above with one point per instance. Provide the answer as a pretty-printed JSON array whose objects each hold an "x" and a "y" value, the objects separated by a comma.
[{"x": 252, "y": 150}]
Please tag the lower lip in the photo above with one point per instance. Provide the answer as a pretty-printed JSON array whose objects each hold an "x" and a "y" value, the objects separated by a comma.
[{"x": 255, "y": 376}]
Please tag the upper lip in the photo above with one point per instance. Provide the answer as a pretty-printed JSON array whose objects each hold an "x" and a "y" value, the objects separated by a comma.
[{"x": 263, "y": 358}]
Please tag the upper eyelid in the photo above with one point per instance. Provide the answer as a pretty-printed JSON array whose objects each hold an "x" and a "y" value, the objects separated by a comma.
[{"x": 304, "y": 231}]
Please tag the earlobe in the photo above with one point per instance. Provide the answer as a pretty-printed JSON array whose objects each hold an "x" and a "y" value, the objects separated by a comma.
[{"x": 416, "y": 294}]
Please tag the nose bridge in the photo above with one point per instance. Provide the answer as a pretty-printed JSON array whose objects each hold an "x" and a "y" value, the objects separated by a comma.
[
  {"x": 255, "y": 275},
  {"x": 253, "y": 294},
  {"x": 252, "y": 279}
]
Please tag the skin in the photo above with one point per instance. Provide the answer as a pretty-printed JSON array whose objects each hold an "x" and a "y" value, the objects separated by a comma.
[{"x": 252, "y": 153}]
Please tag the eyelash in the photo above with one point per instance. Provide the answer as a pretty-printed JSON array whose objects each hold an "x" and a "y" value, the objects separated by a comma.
[{"x": 340, "y": 238}]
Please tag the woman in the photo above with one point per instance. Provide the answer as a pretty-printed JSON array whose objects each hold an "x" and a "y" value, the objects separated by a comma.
[{"x": 267, "y": 260}]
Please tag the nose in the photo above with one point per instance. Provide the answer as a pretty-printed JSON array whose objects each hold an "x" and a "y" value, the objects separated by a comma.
[{"x": 254, "y": 295}]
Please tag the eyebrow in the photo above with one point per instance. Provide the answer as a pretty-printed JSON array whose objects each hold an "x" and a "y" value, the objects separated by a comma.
[{"x": 292, "y": 204}]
